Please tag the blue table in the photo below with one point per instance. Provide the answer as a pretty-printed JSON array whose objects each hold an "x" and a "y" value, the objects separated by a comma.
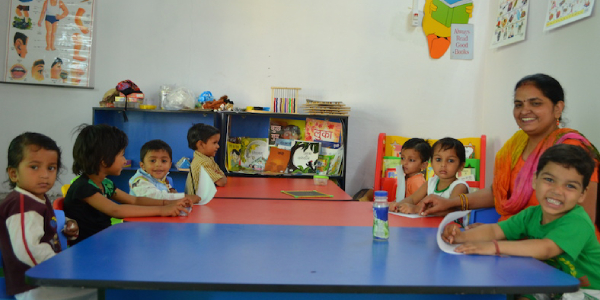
[{"x": 225, "y": 261}]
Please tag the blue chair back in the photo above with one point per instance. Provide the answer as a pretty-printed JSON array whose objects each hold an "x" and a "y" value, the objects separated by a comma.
[{"x": 60, "y": 223}]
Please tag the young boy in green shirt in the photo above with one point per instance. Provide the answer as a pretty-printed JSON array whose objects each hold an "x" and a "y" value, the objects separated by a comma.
[{"x": 558, "y": 231}]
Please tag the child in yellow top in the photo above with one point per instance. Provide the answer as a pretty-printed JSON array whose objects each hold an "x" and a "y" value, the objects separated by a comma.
[
  {"x": 448, "y": 158},
  {"x": 204, "y": 140}
]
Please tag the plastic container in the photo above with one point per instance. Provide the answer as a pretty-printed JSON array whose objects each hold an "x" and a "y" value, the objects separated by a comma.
[
  {"x": 320, "y": 179},
  {"x": 381, "y": 226}
]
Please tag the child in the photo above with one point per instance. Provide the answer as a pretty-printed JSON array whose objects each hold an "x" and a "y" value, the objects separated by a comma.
[
  {"x": 98, "y": 152},
  {"x": 204, "y": 140},
  {"x": 448, "y": 159},
  {"x": 558, "y": 231},
  {"x": 151, "y": 179},
  {"x": 28, "y": 233},
  {"x": 415, "y": 154}
]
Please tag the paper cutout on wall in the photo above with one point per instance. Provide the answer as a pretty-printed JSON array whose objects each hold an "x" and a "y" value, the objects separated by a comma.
[{"x": 438, "y": 17}]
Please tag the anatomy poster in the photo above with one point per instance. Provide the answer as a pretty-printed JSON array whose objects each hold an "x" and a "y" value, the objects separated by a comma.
[
  {"x": 50, "y": 42},
  {"x": 511, "y": 22},
  {"x": 562, "y": 12}
]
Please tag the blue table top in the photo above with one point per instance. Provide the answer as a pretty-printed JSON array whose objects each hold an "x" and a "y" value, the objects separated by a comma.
[{"x": 283, "y": 258}]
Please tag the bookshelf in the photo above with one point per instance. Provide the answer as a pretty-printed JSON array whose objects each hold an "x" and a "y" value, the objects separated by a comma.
[{"x": 256, "y": 125}]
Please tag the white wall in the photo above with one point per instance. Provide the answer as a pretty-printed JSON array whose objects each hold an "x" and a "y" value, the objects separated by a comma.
[
  {"x": 361, "y": 52},
  {"x": 569, "y": 54}
]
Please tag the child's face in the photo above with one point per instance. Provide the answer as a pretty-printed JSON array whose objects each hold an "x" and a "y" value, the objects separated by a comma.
[
  {"x": 210, "y": 147},
  {"x": 558, "y": 190},
  {"x": 411, "y": 162},
  {"x": 156, "y": 163},
  {"x": 37, "y": 171},
  {"x": 117, "y": 166},
  {"x": 445, "y": 163}
]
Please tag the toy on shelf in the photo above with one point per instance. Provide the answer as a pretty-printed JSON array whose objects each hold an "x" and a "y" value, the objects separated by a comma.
[
  {"x": 219, "y": 105},
  {"x": 284, "y": 99}
]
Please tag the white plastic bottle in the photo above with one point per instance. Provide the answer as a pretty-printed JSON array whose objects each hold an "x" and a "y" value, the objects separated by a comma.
[{"x": 381, "y": 227}]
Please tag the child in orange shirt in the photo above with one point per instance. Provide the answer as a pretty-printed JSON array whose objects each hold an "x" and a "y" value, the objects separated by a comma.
[{"x": 415, "y": 154}]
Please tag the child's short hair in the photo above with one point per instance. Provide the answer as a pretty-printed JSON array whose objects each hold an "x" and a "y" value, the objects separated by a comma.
[
  {"x": 200, "y": 132},
  {"x": 155, "y": 145},
  {"x": 448, "y": 143},
  {"x": 419, "y": 145},
  {"x": 17, "y": 147},
  {"x": 97, "y": 144},
  {"x": 569, "y": 156}
]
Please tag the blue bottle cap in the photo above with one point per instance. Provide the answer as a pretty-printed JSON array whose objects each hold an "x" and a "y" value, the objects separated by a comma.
[{"x": 381, "y": 194}]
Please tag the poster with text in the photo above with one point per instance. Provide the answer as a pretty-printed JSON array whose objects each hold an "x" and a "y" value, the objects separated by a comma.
[
  {"x": 49, "y": 42},
  {"x": 563, "y": 12},
  {"x": 510, "y": 23}
]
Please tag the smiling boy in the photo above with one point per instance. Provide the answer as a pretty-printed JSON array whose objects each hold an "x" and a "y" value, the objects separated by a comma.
[
  {"x": 151, "y": 179},
  {"x": 558, "y": 231}
]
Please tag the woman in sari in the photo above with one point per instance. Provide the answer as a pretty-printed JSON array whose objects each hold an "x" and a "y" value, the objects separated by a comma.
[{"x": 538, "y": 106}]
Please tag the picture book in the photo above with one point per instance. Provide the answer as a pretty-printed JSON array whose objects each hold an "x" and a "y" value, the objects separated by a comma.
[
  {"x": 335, "y": 165},
  {"x": 284, "y": 144},
  {"x": 323, "y": 163},
  {"x": 285, "y": 129},
  {"x": 234, "y": 147},
  {"x": 278, "y": 160},
  {"x": 303, "y": 157},
  {"x": 323, "y": 131},
  {"x": 451, "y": 11},
  {"x": 254, "y": 153}
]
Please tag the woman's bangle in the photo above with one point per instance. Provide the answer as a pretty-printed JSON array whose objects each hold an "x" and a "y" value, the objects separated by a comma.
[
  {"x": 466, "y": 201},
  {"x": 462, "y": 201},
  {"x": 497, "y": 247}
]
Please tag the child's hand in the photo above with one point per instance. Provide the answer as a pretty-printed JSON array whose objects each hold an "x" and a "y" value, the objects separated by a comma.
[
  {"x": 482, "y": 248},
  {"x": 71, "y": 228},
  {"x": 407, "y": 208},
  {"x": 172, "y": 190},
  {"x": 394, "y": 206},
  {"x": 195, "y": 199},
  {"x": 174, "y": 210},
  {"x": 452, "y": 234}
]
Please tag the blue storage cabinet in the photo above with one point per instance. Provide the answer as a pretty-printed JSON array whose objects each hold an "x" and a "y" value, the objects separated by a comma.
[{"x": 145, "y": 125}]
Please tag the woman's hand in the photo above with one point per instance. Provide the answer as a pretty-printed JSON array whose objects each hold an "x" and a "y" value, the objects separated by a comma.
[
  {"x": 394, "y": 206},
  {"x": 433, "y": 204},
  {"x": 483, "y": 248}
]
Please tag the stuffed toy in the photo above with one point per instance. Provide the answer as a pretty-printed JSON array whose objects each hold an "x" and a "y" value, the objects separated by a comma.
[{"x": 219, "y": 105}]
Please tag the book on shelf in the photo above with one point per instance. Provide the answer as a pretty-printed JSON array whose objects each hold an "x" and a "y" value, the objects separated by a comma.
[
  {"x": 278, "y": 160},
  {"x": 254, "y": 153},
  {"x": 234, "y": 150},
  {"x": 323, "y": 131},
  {"x": 303, "y": 157},
  {"x": 285, "y": 129}
]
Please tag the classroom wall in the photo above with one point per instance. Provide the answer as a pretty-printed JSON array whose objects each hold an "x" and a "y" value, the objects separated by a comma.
[
  {"x": 569, "y": 54},
  {"x": 363, "y": 53}
]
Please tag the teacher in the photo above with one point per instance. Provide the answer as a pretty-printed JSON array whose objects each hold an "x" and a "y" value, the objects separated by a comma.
[{"x": 538, "y": 106}]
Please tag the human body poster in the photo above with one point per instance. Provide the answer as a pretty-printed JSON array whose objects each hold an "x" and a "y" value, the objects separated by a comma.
[
  {"x": 50, "y": 42},
  {"x": 562, "y": 12},
  {"x": 511, "y": 22}
]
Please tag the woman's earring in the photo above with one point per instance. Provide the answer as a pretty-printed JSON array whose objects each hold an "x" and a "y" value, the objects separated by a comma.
[{"x": 557, "y": 122}]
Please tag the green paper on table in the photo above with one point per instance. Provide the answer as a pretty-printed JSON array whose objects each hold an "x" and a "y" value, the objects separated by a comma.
[{"x": 305, "y": 194}]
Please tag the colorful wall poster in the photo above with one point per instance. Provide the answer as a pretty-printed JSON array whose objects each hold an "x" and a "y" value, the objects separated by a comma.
[
  {"x": 438, "y": 17},
  {"x": 49, "y": 42},
  {"x": 563, "y": 12},
  {"x": 511, "y": 22}
]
